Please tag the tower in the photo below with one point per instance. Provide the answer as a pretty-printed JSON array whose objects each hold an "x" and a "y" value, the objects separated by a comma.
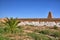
[{"x": 50, "y": 15}]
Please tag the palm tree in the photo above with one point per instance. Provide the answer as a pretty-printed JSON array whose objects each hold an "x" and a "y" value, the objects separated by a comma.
[{"x": 11, "y": 24}]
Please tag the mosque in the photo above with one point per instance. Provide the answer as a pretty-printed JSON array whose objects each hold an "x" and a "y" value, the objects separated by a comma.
[{"x": 49, "y": 21}]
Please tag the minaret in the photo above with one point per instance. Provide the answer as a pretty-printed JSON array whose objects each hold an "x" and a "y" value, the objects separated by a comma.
[{"x": 50, "y": 15}]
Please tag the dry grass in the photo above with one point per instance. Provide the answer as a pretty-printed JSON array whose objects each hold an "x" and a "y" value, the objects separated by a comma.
[{"x": 29, "y": 29}]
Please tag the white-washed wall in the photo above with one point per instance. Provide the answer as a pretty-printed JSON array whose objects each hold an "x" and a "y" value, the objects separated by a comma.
[{"x": 40, "y": 23}]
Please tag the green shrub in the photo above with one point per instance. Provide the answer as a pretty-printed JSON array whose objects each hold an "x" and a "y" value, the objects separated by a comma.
[
  {"x": 11, "y": 24},
  {"x": 51, "y": 33},
  {"x": 55, "y": 34},
  {"x": 45, "y": 31},
  {"x": 1, "y": 30},
  {"x": 4, "y": 38},
  {"x": 18, "y": 30},
  {"x": 36, "y": 30},
  {"x": 55, "y": 27},
  {"x": 39, "y": 36},
  {"x": 34, "y": 36}
]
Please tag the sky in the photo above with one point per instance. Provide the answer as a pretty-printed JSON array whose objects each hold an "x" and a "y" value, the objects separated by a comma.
[{"x": 29, "y": 8}]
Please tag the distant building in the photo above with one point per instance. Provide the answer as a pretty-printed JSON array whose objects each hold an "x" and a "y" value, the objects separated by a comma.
[{"x": 49, "y": 21}]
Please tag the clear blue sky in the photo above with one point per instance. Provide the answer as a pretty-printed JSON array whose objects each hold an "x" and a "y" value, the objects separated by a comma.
[{"x": 29, "y": 8}]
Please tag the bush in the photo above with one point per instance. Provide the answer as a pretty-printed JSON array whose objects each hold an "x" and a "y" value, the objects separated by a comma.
[
  {"x": 39, "y": 36},
  {"x": 34, "y": 36},
  {"x": 1, "y": 30},
  {"x": 18, "y": 31},
  {"x": 45, "y": 31},
  {"x": 4, "y": 38},
  {"x": 55, "y": 27},
  {"x": 55, "y": 34},
  {"x": 36, "y": 30},
  {"x": 51, "y": 33}
]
